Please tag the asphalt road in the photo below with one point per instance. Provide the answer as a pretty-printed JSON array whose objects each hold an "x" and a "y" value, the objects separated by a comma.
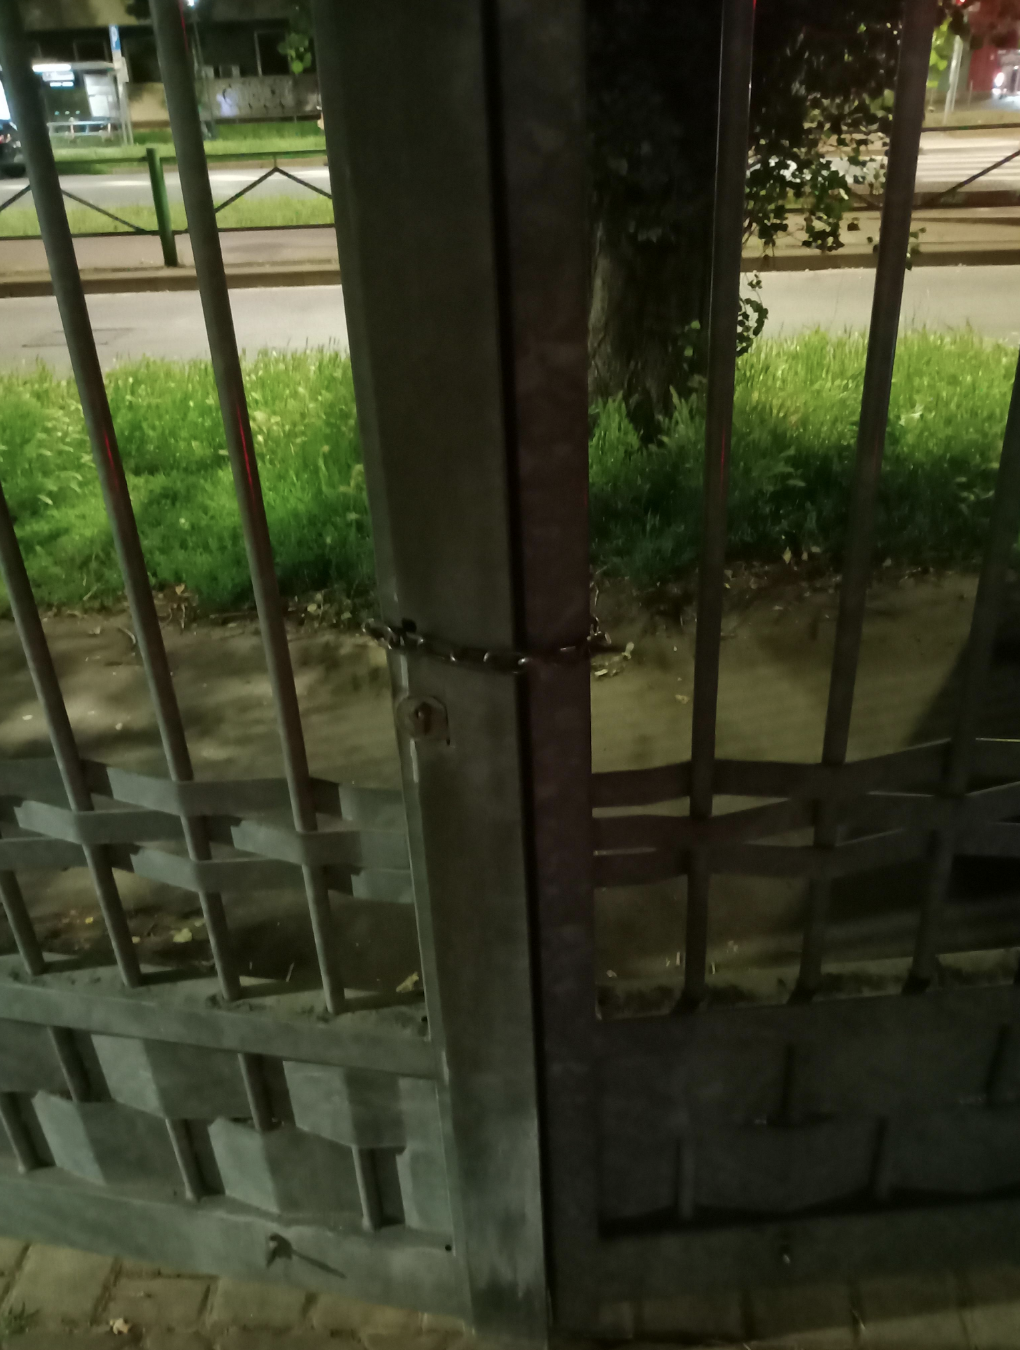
[
  {"x": 169, "y": 323},
  {"x": 984, "y": 297},
  {"x": 945, "y": 160}
]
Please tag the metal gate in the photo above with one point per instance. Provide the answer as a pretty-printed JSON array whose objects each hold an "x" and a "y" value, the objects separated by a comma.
[
  {"x": 394, "y": 1152},
  {"x": 854, "y": 1125},
  {"x": 385, "y": 1148}
]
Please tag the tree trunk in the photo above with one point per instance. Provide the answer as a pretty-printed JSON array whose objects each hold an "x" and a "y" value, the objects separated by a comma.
[{"x": 649, "y": 305}]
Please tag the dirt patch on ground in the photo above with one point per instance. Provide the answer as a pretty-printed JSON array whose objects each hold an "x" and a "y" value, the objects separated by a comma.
[{"x": 776, "y": 654}]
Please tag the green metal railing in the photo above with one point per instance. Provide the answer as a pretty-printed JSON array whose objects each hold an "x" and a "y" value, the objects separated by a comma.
[{"x": 155, "y": 157}]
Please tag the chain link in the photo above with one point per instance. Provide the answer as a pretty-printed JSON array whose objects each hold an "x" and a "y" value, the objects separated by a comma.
[{"x": 499, "y": 659}]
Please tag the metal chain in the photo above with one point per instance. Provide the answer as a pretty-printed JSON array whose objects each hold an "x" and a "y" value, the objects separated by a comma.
[{"x": 499, "y": 659}]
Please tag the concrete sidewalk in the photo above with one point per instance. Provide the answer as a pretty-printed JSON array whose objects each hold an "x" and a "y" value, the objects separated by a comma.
[
  {"x": 308, "y": 256},
  {"x": 53, "y": 1297},
  {"x": 134, "y": 262},
  {"x": 946, "y": 238}
]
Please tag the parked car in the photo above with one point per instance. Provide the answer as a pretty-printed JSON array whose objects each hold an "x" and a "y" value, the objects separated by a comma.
[{"x": 12, "y": 163}]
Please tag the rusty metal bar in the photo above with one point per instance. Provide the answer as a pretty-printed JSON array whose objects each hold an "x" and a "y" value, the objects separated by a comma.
[
  {"x": 16, "y": 198},
  {"x": 1002, "y": 535},
  {"x": 175, "y": 64},
  {"x": 368, "y": 1189},
  {"x": 724, "y": 309},
  {"x": 283, "y": 173},
  {"x": 119, "y": 220},
  {"x": 17, "y": 1134},
  {"x": 894, "y": 243},
  {"x": 184, "y": 1151},
  {"x": 20, "y": 922},
  {"x": 47, "y": 687},
  {"x": 48, "y": 195},
  {"x": 71, "y": 1065},
  {"x": 948, "y": 192},
  {"x": 258, "y": 1095}
]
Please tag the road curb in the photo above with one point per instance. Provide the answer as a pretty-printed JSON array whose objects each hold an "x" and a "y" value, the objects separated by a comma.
[
  {"x": 107, "y": 282},
  {"x": 933, "y": 257},
  {"x": 112, "y": 282}
]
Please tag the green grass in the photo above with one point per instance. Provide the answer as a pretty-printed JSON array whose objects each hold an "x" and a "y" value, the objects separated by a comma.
[
  {"x": 263, "y": 138},
  {"x": 168, "y": 423},
  {"x": 795, "y": 419},
  {"x": 15, "y": 1321},
  {"x": 255, "y": 212},
  {"x": 241, "y": 131}
]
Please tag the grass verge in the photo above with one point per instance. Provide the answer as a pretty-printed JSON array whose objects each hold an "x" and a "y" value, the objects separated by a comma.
[
  {"x": 795, "y": 421},
  {"x": 794, "y": 427},
  {"x": 305, "y": 130},
  {"x": 252, "y": 212},
  {"x": 267, "y": 139}
]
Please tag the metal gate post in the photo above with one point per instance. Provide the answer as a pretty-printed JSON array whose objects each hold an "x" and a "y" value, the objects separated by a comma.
[
  {"x": 157, "y": 180},
  {"x": 542, "y": 71},
  {"x": 461, "y": 243}
]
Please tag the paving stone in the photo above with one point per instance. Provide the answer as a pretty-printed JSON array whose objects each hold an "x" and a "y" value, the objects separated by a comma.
[
  {"x": 993, "y": 1326},
  {"x": 693, "y": 1316},
  {"x": 83, "y": 1338},
  {"x": 11, "y": 1250},
  {"x": 785, "y": 1311},
  {"x": 145, "y": 1270},
  {"x": 821, "y": 1338},
  {"x": 301, "y": 1339},
  {"x": 333, "y": 1312},
  {"x": 452, "y": 1326},
  {"x": 905, "y": 1296},
  {"x": 162, "y": 1339},
  {"x": 60, "y": 1285},
  {"x": 158, "y": 1303},
  {"x": 404, "y": 1340},
  {"x": 616, "y": 1320},
  {"x": 924, "y": 1331},
  {"x": 272, "y": 1306},
  {"x": 912, "y": 1311},
  {"x": 994, "y": 1284}
]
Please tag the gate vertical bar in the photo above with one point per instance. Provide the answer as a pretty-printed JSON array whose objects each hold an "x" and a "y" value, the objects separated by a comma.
[
  {"x": 176, "y": 69},
  {"x": 540, "y": 60},
  {"x": 81, "y": 346},
  {"x": 1002, "y": 536},
  {"x": 157, "y": 181},
  {"x": 418, "y": 127},
  {"x": 736, "y": 51},
  {"x": 893, "y": 244}
]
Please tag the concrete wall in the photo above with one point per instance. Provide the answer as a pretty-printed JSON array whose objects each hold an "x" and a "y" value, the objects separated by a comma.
[
  {"x": 271, "y": 97},
  {"x": 43, "y": 14}
]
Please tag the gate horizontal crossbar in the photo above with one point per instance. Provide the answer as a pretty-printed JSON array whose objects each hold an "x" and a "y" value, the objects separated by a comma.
[
  {"x": 361, "y": 830},
  {"x": 888, "y": 826}
]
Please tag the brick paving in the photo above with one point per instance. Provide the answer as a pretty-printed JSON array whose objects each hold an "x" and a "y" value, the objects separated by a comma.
[{"x": 52, "y": 1298}]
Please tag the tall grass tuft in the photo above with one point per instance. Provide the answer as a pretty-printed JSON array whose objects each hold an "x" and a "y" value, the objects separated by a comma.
[
  {"x": 795, "y": 423},
  {"x": 168, "y": 423},
  {"x": 795, "y": 418}
]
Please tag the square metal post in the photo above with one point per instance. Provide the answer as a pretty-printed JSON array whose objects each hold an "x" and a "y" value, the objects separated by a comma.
[{"x": 464, "y": 289}]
